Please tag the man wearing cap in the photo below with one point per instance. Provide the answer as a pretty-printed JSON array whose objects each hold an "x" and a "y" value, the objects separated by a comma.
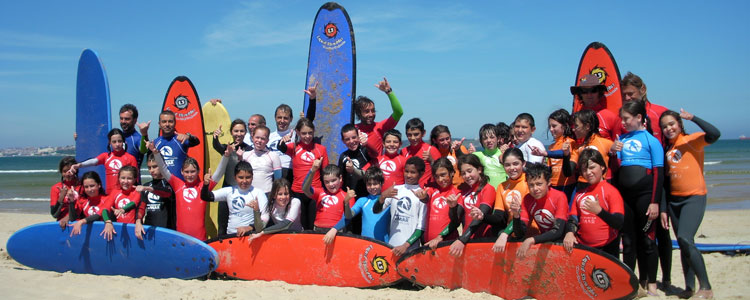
[
  {"x": 634, "y": 89},
  {"x": 591, "y": 94}
]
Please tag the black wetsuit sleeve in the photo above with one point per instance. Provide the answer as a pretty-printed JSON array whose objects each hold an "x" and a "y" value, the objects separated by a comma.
[
  {"x": 206, "y": 193},
  {"x": 572, "y": 224},
  {"x": 519, "y": 227},
  {"x": 92, "y": 218},
  {"x": 496, "y": 219},
  {"x": 310, "y": 113},
  {"x": 54, "y": 210},
  {"x": 219, "y": 147},
  {"x": 613, "y": 220},
  {"x": 568, "y": 167},
  {"x": 377, "y": 207},
  {"x": 278, "y": 227},
  {"x": 281, "y": 147},
  {"x": 193, "y": 141},
  {"x": 486, "y": 210},
  {"x": 712, "y": 133},
  {"x": 658, "y": 188},
  {"x": 553, "y": 234}
]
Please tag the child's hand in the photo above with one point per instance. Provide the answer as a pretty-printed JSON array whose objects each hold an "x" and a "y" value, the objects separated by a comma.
[
  {"x": 70, "y": 196},
  {"x": 242, "y": 230},
  {"x": 500, "y": 243},
  {"x": 426, "y": 156},
  {"x": 139, "y": 231},
  {"x": 686, "y": 115},
  {"x": 254, "y": 236},
  {"x": 476, "y": 213},
  {"x": 151, "y": 147},
  {"x": 140, "y": 188},
  {"x": 108, "y": 232},
  {"x": 422, "y": 195},
  {"x": 569, "y": 241},
  {"x": 362, "y": 139},
  {"x": 390, "y": 192},
  {"x": 566, "y": 148},
  {"x": 527, "y": 243},
  {"x": 452, "y": 200},
  {"x": 330, "y": 236},
  {"x": 253, "y": 204},
  {"x": 456, "y": 145},
  {"x": 592, "y": 206},
  {"x": 207, "y": 178},
  {"x": 217, "y": 132},
  {"x": 384, "y": 86},
  {"x": 515, "y": 206},
  {"x": 64, "y": 221},
  {"x": 457, "y": 248},
  {"x": 434, "y": 242},
  {"x": 312, "y": 91},
  {"x": 240, "y": 153},
  {"x": 616, "y": 146},
  {"x": 348, "y": 165},
  {"x": 77, "y": 228},
  {"x": 350, "y": 194},
  {"x": 316, "y": 164},
  {"x": 504, "y": 147},
  {"x": 119, "y": 212},
  {"x": 285, "y": 139},
  {"x": 538, "y": 152},
  {"x": 143, "y": 128},
  {"x": 400, "y": 250},
  {"x": 74, "y": 169},
  {"x": 472, "y": 149},
  {"x": 228, "y": 152}
]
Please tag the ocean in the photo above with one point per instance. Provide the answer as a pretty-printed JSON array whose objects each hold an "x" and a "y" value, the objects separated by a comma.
[{"x": 25, "y": 181}]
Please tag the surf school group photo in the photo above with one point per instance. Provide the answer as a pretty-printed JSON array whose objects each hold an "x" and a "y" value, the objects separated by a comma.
[{"x": 617, "y": 182}]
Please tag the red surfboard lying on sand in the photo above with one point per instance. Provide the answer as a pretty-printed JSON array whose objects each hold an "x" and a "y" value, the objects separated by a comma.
[
  {"x": 597, "y": 60},
  {"x": 303, "y": 258},
  {"x": 547, "y": 272},
  {"x": 182, "y": 99}
]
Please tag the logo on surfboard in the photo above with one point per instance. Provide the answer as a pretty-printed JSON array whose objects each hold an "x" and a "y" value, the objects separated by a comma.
[
  {"x": 378, "y": 264},
  {"x": 330, "y": 30},
  {"x": 181, "y": 102},
  {"x": 601, "y": 73}
]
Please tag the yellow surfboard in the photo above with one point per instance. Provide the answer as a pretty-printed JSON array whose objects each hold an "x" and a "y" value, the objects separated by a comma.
[{"x": 213, "y": 116}]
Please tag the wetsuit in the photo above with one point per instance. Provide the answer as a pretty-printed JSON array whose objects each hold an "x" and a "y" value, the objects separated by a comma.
[
  {"x": 640, "y": 181},
  {"x": 493, "y": 168},
  {"x": 550, "y": 213},
  {"x": 601, "y": 231},
  {"x": 393, "y": 169},
  {"x": 285, "y": 218},
  {"x": 361, "y": 161},
  {"x": 303, "y": 157},
  {"x": 112, "y": 162},
  {"x": 328, "y": 208},
  {"x": 438, "y": 214},
  {"x": 559, "y": 180},
  {"x": 89, "y": 208},
  {"x": 223, "y": 210},
  {"x": 482, "y": 197},
  {"x": 417, "y": 150},
  {"x": 374, "y": 225},
  {"x": 133, "y": 146},
  {"x": 129, "y": 201},
  {"x": 60, "y": 209},
  {"x": 266, "y": 167},
  {"x": 408, "y": 214},
  {"x": 686, "y": 202},
  {"x": 160, "y": 204},
  {"x": 174, "y": 152},
  {"x": 375, "y": 131}
]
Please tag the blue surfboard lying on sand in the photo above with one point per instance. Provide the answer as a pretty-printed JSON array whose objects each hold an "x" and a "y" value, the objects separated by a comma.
[
  {"x": 93, "y": 115},
  {"x": 162, "y": 253},
  {"x": 717, "y": 247},
  {"x": 331, "y": 67}
]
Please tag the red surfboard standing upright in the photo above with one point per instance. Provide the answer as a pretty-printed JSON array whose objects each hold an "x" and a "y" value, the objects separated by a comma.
[
  {"x": 182, "y": 99},
  {"x": 597, "y": 60}
]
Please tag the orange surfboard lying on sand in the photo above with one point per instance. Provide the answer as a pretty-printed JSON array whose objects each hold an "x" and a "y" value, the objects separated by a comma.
[
  {"x": 303, "y": 258},
  {"x": 597, "y": 60},
  {"x": 547, "y": 272}
]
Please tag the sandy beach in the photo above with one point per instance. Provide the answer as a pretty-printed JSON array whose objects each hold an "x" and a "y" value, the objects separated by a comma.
[{"x": 729, "y": 275}]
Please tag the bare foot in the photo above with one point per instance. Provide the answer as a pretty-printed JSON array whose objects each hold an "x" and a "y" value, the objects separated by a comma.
[{"x": 703, "y": 294}]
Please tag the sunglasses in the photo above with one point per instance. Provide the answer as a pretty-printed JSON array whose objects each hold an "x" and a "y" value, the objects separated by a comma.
[{"x": 589, "y": 90}]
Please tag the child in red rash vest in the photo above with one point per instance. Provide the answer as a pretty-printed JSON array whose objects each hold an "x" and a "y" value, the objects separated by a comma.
[
  {"x": 440, "y": 137},
  {"x": 548, "y": 207},
  {"x": 65, "y": 192},
  {"x": 88, "y": 208},
  {"x": 304, "y": 152},
  {"x": 597, "y": 212},
  {"x": 442, "y": 196},
  {"x": 475, "y": 201},
  {"x": 391, "y": 162},
  {"x": 417, "y": 147},
  {"x": 331, "y": 201},
  {"x": 124, "y": 203},
  {"x": 117, "y": 158}
]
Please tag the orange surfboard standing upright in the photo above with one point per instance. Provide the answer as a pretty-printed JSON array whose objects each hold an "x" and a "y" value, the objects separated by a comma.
[
  {"x": 597, "y": 60},
  {"x": 547, "y": 271},
  {"x": 182, "y": 99},
  {"x": 303, "y": 258}
]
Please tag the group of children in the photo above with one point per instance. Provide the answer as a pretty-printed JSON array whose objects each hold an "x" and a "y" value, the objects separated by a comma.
[{"x": 598, "y": 184}]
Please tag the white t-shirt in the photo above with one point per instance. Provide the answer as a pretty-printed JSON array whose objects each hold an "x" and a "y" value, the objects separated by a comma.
[
  {"x": 526, "y": 149},
  {"x": 264, "y": 163},
  {"x": 239, "y": 213},
  {"x": 292, "y": 213},
  {"x": 407, "y": 214},
  {"x": 273, "y": 142}
]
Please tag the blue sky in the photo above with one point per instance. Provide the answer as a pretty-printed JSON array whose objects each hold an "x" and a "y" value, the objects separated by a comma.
[{"x": 461, "y": 64}]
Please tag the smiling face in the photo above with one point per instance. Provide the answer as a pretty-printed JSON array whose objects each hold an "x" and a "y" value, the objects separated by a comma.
[
  {"x": 282, "y": 196},
  {"x": 91, "y": 187},
  {"x": 411, "y": 175},
  {"x": 414, "y": 135},
  {"x": 580, "y": 130},
  {"x": 589, "y": 97},
  {"x": 253, "y": 122},
  {"x": 244, "y": 179},
  {"x": 190, "y": 173},
  {"x": 630, "y": 93},
  {"x": 631, "y": 122},
  {"x": 127, "y": 122},
  {"x": 443, "y": 177},
  {"x": 126, "y": 180},
  {"x": 538, "y": 187},
  {"x": 260, "y": 139},
  {"x": 391, "y": 144},
  {"x": 166, "y": 124},
  {"x": 470, "y": 174},
  {"x": 522, "y": 130},
  {"x": 555, "y": 128},
  {"x": 374, "y": 187},
  {"x": 350, "y": 139},
  {"x": 368, "y": 114},
  {"x": 305, "y": 135},
  {"x": 238, "y": 133},
  {"x": 332, "y": 183},
  {"x": 489, "y": 141},
  {"x": 670, "y": 127},
  {"x": 513, "y": 166},
  {"x": 443, "y": 141},
  {"x": 283, "y": 119}
]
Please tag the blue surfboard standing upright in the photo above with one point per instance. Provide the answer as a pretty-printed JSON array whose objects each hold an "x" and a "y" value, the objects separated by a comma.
[
  {"x": 93, "y": 114},
  {"x": 331, "y": 67}
]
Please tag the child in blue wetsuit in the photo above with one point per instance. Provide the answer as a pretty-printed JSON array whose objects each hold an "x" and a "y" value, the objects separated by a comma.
[
  {"x": 640, "y": 180},
  {"x": 374, "y": 225}
]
